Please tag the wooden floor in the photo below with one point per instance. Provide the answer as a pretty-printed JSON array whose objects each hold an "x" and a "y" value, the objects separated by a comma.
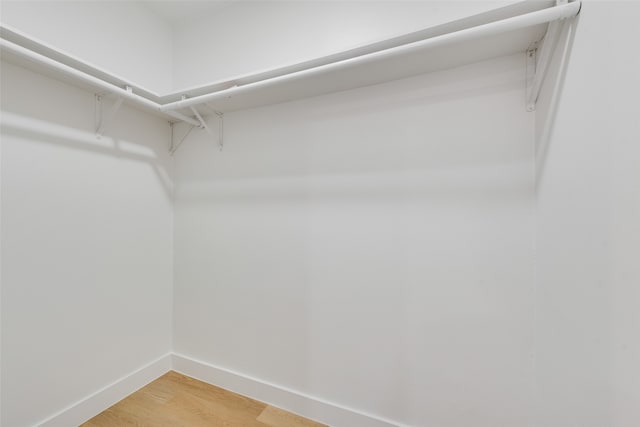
[{"x": 175, "y": 400}]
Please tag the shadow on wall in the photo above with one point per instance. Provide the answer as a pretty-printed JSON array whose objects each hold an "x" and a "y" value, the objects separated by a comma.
[
  {"x": 557, "y": 75},
  {"x": 47, "y": 132},
  {"x": 439, "y": 122}
]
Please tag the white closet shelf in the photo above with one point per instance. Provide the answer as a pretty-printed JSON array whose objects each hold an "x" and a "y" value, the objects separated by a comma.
[{"x": 504, "y": 31}]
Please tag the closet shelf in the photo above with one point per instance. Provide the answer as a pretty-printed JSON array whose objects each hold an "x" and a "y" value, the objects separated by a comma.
[{"x": 508, "y": 30}]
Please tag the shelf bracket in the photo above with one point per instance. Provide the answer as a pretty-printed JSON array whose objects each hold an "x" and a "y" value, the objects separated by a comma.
[
  {"x": 103, "y": 121},
  {"x": 539, "y": 57},
  {"x": 202, "y": 125},
  {"x": 531, "y": 72},
  {"x": 173, "y": 146},
  {"x": 220, "y": 129}
]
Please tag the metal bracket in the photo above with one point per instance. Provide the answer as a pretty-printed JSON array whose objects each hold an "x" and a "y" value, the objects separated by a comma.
[
  {"x": 172, "y": 145},
  {"x": 203, "y": 125},
  {"x": 220, "y": 129},
  {"x": 531, "y": 73},
  {"x": 539, "y": 57},
  {"x": 103, "y": 121}
]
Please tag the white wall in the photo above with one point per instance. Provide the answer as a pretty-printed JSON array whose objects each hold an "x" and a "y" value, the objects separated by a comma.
[
  {"x": 372, "y": 247},
  {"x": 122, "y": 37},
  {"x": 588, "y": 298},
  {"x": 250, "y": 36},
  {"x": 86, "y": 246}
]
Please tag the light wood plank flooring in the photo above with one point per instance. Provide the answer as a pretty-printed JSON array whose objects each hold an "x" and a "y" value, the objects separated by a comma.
[{"x": 175, "y": 400}]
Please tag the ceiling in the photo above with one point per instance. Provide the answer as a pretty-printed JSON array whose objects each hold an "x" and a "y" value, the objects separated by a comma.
[{"x": 174, "y": 11}]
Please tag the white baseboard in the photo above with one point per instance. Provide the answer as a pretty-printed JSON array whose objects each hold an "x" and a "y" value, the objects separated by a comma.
[
  {"x": 294, "y": 401},
  {"x": 291, "y": 400},
  {"x": 97, "y": 402}
]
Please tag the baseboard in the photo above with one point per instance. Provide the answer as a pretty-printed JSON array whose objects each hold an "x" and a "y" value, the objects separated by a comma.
[
  {"x": 97, "y": 402},
  {"x": 294, "y": 401}
]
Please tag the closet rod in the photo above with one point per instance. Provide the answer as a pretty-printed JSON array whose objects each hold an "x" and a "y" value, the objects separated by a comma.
[
  {"x": 554, "y": 13},
  {"x": 94, "y": 81}
]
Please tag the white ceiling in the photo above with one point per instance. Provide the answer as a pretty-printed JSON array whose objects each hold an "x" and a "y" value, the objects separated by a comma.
[{"x": 174, "y": 11}]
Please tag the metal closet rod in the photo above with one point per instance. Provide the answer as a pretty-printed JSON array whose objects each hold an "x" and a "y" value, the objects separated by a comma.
[
  {"x": 522, "y": 21},
  {"x": 87, "y": 78}
]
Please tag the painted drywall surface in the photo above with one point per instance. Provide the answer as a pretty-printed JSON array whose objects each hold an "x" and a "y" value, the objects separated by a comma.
[
  {"x": 86, "y": 246},
  {"x": 588, "y": 233},
  {"x": 250, "y": 36},
  {"x": 122, "y": 37},
  {"x": 372, "y": 247}
]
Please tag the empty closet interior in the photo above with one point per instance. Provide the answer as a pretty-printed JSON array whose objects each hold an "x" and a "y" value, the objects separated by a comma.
[{"x": 368, "y": 213}]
